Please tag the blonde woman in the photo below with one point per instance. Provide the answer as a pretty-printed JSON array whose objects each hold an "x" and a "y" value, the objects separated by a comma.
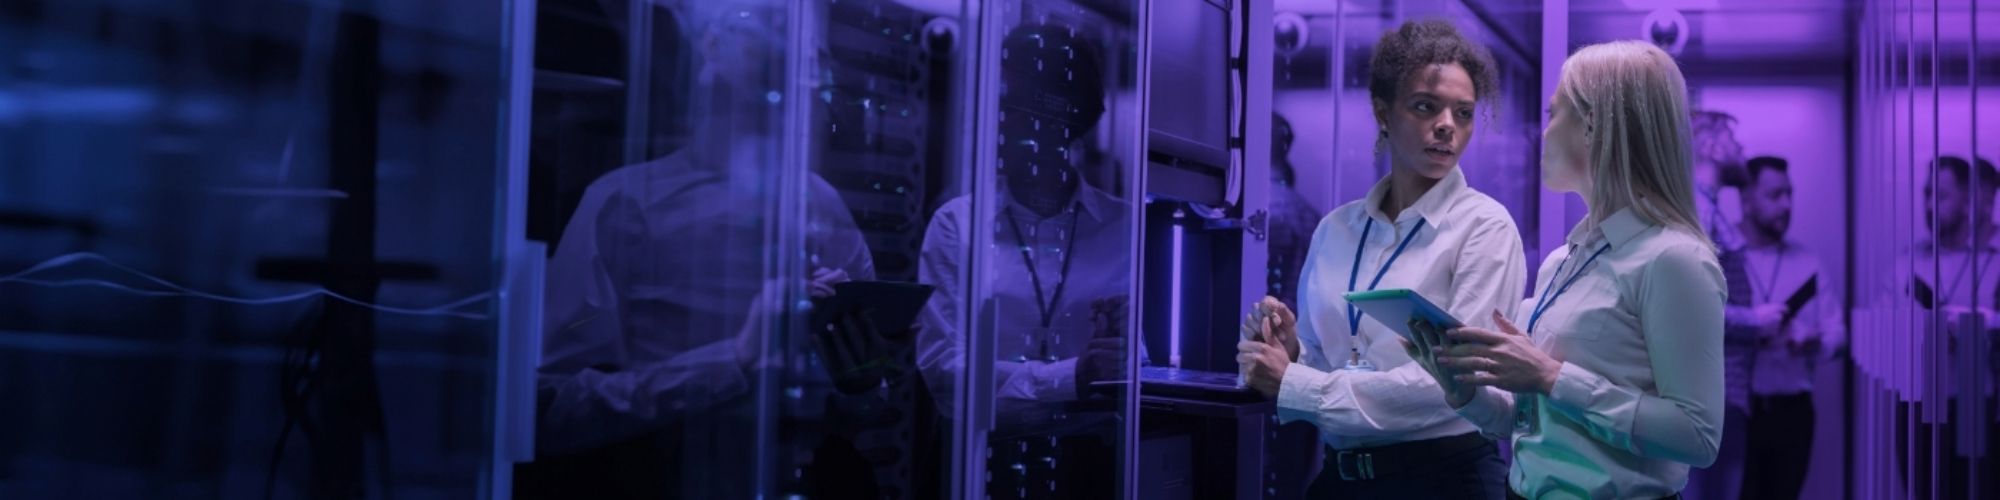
[{"x": 1612, "y": 384}]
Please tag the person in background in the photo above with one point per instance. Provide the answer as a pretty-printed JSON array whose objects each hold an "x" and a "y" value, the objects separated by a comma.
[
  {"x": 1060, "y": 265},
  {"x": 1292, "y": 217},
  {"x": 1422, "y": 228},
  {"x": 1718, "y": 166},
  {"x": 659, "y": 315},
  {"x": 1614, "y": 389},
  {"x": 1959, "y": 205},
  {"x": 1782, "y": 420},
  {"x": 1956, "y": 286}
]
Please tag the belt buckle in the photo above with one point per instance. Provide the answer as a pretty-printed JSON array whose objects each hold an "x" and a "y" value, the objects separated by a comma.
[{"x": 1364, "y": 465}]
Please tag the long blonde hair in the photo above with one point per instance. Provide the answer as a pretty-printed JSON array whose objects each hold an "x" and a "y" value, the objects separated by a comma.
[{"x": 1634, "y": 101}]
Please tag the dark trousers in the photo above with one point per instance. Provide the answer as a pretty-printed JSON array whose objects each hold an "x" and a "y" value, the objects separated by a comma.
[
  {"x": 1470, "y": 474},
  {"x": 1936, "y": 470},
  {"x": 1781, "y": 439},
  {"x": 1511, "y": 495},
  {"x": 1723, "y": 479}
]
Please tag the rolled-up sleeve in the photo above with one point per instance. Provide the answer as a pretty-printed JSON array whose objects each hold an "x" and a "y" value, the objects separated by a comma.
[{"x": 1681, "y": 315}]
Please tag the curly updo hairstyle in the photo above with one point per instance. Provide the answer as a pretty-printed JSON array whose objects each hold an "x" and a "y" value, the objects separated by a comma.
[{"x": 1415, "y": 46}]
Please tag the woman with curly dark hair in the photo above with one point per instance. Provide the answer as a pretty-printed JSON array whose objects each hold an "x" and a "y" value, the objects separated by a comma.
[{"x": 1387, "y": 434}]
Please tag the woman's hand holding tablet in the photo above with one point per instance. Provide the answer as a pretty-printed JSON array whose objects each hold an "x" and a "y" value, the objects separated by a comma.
[
  {"x": 1507, "y": 359},
  {"x": 1429, "y": 340},
  {"x": 1424, "y": 327},
  {"x": 1395, "y": 307}
]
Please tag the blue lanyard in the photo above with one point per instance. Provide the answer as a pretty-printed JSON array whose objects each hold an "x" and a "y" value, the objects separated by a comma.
[
  {"x": 1354, "y": 274},
  {"x": 1547, "y": 299}
]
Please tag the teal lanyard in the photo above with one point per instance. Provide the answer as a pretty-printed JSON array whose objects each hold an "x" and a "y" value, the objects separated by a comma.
[
  {"x": 1543, "y": 303},
  {"x": 1354, "y": 274}
]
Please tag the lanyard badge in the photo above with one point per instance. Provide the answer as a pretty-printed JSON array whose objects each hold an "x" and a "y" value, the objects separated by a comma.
[
  {"x": 1046, "y": 304},
  {"x": 1354, "y": 360},
  {"x": 1527, "y": 414},
  {"x": 1528, "y": 407}
]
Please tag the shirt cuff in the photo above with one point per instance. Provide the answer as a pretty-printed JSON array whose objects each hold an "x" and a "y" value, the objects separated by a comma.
[
  {"x": 1487, "y": 409},
  {"x": 1573, "y": 387},
  {"x": 1301, "y": 388}
]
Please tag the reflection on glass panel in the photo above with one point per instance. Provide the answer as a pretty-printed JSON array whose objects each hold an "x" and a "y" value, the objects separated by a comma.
[
  {"x": 659, "y": 309},
  {"x": 259, "y": 248},
  {"x": 1925, "y": 317},
  {"x": 1052, "y": 251},
  {"x": 883, "y": 119},
  {"x": 731, "y": 296},
  {"x": 662, "y": 320}
]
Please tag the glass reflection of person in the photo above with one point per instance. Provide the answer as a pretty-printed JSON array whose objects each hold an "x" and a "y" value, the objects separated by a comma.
[
  {"x": 1718, "y": 167},
  {"x": 1953, "y": 275},
  {"x": 1422, "y": 228},
  {"x": 1614, "y": 389},
  {"x": 1781, "y": 418},
  {"x": 1292, "y": 217},
  {"x": 1060, "y": 269},
  {"x": 1961, "y": 211},
  {"x": 658, "y": 313}
]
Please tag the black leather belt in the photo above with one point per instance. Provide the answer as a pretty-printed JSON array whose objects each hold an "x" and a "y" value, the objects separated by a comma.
[
  {"x": 1511, "y": 495},
  {"x": 1362, "y": 464}
]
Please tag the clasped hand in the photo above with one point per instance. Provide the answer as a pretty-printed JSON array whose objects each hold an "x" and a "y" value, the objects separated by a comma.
[
  {"x": 1269, "y": 345},
  {"x": 1478, "y": 357}
]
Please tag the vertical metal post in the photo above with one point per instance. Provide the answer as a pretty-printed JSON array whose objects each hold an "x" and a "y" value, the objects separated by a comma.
[
  {"x": 518, "y": 262},
  {"x": 1551, "y": 209},
  {"x": 1980, "y": 373},
  {"x": 638, "y": 80},
  {"x": 1128, "y": 463},
  {"x": 972, "y": 410}
]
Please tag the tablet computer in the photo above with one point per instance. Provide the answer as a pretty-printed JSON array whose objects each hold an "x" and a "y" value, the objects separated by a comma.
[
  {"x": 890, "y": 305},
  {"x": 1922, "y": 292},
  {"x": 1797, "y": 301},
  {"x": 1395, "y": 306}
]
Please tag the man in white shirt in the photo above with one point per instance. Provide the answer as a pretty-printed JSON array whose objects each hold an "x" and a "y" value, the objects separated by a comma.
[
  {"x": 1781, "y": 419},
  {"x": 1058, "y": 270},
  {"x": 1954, "y": 273},
  {"x": 659, "y": 306}
]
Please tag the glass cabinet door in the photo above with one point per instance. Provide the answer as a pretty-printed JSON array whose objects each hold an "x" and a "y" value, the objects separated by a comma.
[
  {"x": 1926, "y": 286},
  {"x": 1034, "y": 263},
  {"x": 247, "y": 248},
  {"x": 737, "y": 193}
]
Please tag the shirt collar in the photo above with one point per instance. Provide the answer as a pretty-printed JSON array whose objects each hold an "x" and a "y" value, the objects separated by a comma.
[
  {"x": 1430, "y": 207},
  {"x": 1616, "y": 230}
]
